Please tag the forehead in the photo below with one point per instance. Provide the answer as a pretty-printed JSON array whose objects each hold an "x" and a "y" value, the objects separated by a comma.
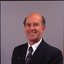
[{"x": 34, "y": 18}]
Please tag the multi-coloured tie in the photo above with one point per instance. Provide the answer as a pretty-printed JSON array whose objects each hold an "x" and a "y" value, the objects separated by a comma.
[{"x": 28, "y": 58}]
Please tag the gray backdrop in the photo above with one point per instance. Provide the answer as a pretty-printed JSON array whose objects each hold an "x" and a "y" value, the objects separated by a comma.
[{"x": 12, "y": 30}]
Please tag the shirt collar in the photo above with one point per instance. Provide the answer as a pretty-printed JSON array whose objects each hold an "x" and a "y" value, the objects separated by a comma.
[{"x": 34, "y": 46}]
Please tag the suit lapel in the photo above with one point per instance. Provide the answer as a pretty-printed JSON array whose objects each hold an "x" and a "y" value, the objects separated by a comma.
[
  {"x": 25, "y": 51},
  {"x": 23, "y": 54},
  {"x": 39, "y": 53}
]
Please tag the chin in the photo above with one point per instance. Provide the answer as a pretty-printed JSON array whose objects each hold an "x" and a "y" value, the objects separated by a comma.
[{"x": 33, "y": 39}]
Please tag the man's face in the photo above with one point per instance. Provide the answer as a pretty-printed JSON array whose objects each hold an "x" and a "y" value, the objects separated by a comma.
[{"x": 34, "y": 28}]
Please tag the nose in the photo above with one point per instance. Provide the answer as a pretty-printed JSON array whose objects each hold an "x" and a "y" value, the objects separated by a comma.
[{"x": 31, "y": 27}]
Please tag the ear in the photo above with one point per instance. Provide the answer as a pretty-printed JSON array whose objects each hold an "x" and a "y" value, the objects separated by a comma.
[{"x": 43, "y": 27}]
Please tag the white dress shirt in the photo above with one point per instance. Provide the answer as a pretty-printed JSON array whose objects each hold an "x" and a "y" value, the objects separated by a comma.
[{"x": 34, "y": 46}]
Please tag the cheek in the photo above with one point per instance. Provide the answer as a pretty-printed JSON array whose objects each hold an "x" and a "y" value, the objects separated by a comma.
[
  {"x": 25, "y": 30},
  {"x": 40, "y": 31}
]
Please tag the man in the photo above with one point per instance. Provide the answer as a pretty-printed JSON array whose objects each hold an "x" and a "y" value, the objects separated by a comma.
[{"x": 41, "y": 52}]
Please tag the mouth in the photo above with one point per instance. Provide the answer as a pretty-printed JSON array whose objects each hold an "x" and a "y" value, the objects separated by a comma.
[{"x": 32, "y": 32}]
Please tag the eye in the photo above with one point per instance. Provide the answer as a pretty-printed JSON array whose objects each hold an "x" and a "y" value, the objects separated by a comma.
[
  {"x": 35, "y": 24},
  {"x": 27, "y": 24}
]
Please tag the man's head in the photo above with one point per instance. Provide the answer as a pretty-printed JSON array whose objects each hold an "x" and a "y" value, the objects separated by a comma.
[{"x": 34, "y": 25}]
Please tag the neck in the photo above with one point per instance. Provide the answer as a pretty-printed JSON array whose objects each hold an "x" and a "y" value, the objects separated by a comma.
[{"x": 31, "y": 42}]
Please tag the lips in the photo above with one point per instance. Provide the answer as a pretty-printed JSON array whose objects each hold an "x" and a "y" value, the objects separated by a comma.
[{"x": 32, "y": 32}]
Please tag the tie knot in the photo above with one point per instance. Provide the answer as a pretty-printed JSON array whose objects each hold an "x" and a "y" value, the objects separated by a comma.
[{"x": 30, "y": 49}]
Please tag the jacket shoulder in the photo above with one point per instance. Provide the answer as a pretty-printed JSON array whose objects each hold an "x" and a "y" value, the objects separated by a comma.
[{"x": 21, "y": 46}]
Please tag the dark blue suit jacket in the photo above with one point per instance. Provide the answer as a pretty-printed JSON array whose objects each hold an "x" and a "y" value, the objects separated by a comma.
[{"x": 44, "y": 54}]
